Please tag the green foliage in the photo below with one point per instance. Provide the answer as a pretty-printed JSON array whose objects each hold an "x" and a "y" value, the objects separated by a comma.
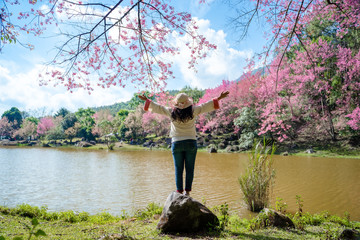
[
  {"x": 258, "y": 222},
  {"x": 280, "y": 206},
  {"x": 122, "y": 114},
  {"x": 55, "y": 133},
  {"x": 68, "y": 121},
  {"x": 150, "y": 211},
  {"x": 33, "y": 120},
  {"x": 13, "y": 115},
  {"x": 62, "y": 112},
  {"x": 258, "y": 178},
  {"x": 194, "y": 93},
  {"x": 222, "y": 212},
  {"x": 87, "y": 122},
  {"x": 248, "y": 123}
]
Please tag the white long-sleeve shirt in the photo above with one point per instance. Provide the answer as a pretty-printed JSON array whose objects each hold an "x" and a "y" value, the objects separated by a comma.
[{"x": 182, "y": 130}]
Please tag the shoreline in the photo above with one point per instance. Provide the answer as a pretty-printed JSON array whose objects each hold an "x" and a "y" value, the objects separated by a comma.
[{"x": 331, "y": 152}]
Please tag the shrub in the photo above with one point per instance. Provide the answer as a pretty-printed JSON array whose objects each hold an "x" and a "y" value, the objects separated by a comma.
[{"x": 259, "y": 176}]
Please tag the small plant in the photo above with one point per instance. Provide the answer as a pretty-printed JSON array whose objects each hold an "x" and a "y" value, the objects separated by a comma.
[
  {"x": 151, "y": 210},
  {"x": 259, "y": 176},
  {"x": 300, "y": 204},
  {"x": 223, "y": 212},
  {"x": 280, "y": 205}
]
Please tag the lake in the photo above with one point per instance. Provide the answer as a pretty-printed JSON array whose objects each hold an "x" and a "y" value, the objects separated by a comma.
[{"x": 118, "y": 181}]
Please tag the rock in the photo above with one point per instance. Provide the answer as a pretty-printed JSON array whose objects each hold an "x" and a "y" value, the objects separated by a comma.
[
  {"x": 212, "y": 150},
  {"x": 184, "y": 214},
  {"x": 232, "y": 148},
  {"x": 276, "y": 219},
  {"x": 221, "y": 145},
  {"x": 310, "y": 150},
  {"x": 84, "y": 144},
  {"x": 349, "y": 234},
  {"x": 285, "y": 154},
  {"x": 7, "y": 142}
]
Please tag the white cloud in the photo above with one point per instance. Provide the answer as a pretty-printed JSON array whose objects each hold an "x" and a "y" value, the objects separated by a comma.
[
  {"x": 22, "y": 90},
  {"x": 223, "y": 63}
]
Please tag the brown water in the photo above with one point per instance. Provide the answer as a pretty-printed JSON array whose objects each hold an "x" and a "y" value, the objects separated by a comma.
[{"x": 96, "y": 181}]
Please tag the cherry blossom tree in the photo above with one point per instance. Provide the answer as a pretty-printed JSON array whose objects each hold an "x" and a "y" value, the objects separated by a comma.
[
  {"x": 107, "y": 43},
  {"x": 155, "y": 123},
  {"x": 6, "y": 127},
  {"x": 133, "y": 124},
  {"x": 45, "y": 125},
  {"x": 223, "y": 119},
  {"x": 104, "y": 123},
  {"x": 28, "y": 130}
]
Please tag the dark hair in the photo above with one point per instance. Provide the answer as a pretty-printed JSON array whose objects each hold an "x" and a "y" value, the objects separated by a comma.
[{"x": 182, "y": 115}]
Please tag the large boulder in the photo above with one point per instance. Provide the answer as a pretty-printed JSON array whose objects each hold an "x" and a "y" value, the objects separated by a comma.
[
  {"x": 7, "y": 142},
  {"x": 275, "y": 219},
  {"x": 184, "y": 214},
  {"x": 348, "y": 234}
]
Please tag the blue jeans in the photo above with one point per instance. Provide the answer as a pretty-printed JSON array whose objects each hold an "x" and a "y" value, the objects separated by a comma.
[{"x": 184, "y": 154}]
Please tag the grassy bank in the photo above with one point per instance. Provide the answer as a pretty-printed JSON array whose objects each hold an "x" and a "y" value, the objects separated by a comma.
[{"x": 142, "y": 225}]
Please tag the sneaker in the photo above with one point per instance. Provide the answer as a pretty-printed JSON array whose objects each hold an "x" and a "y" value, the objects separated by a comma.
[{"x": 187, "y": 193}]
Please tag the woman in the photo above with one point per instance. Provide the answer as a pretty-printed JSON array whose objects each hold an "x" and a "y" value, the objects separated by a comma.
[{"x": 183, "y": 133}]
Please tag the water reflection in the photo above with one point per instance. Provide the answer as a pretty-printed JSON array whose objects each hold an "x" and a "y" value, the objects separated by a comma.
[{"x": 96, "y": 181}]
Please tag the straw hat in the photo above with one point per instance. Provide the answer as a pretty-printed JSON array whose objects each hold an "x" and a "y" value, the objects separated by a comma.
[{"x": 182, "y": 101}]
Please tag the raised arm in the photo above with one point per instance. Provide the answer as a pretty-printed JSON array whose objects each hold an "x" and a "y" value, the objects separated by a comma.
[{"x": 154, "y": 107}]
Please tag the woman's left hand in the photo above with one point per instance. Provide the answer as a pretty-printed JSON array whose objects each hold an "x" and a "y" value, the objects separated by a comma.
[{"x": 142, "y": 97}]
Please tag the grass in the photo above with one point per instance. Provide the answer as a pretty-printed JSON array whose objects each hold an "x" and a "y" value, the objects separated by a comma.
[{"x": 142, "y": 225}]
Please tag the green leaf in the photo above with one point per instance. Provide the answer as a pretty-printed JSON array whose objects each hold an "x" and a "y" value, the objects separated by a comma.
[
  {"x": 1, "y": 237},
  {"x": 17, "y": 238},
  {"x": 27, "y": 226},
  {"x": 40, "y": 233},
  {"x": 34, "y": 222}
]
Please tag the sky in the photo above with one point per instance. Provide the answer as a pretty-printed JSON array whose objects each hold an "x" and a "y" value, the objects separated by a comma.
[{"x": 20, "y": 67}]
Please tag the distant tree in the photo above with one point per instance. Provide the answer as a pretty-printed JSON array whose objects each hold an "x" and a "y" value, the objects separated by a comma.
[
  {"x": 104, "y": 123},
  {"x": 13, "y": 115},
  {"x": 6, "y": 127},
  {"x": 87, "y": 122},
  {"x": 194, "y": 93},
  {"x": 133, "y": 124},
  {"x": 73, "y": 131},
  {"x": 57, "y": 132},
  {"x": 27, "y": 130},
  {"x": 122, "y": 114},
  {"x": 248, "y": 123},
  {"x": 69, "y": 121},
  {"x": 119, "y": 123},
  {"x": 155, "y": 124},
  {"x": 33, "y": 120},
  {"x": 45, "y": 125},
  {"x": 62, "y": 112},
  {"x": 135, "y": 101}
]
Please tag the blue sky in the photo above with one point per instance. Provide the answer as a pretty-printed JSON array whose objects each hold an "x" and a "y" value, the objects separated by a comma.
[{"x": 19, "y": 67}]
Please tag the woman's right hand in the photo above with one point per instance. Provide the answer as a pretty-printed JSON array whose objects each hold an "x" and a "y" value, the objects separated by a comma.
[
  {"x": 142, "y": 97},
  {"x": 223, "y": 95}
]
